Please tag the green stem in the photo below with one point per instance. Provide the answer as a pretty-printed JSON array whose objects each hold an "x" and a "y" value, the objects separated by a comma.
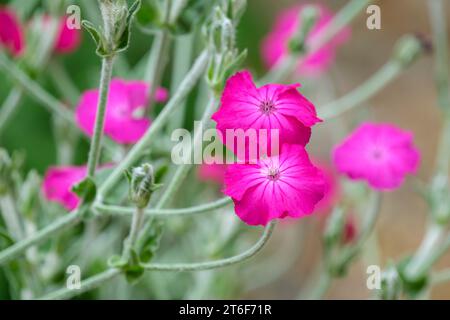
[
  {"x": 12, "y": 218},
  {"x": 355, "y": 98},
  {"x": 440, "y": 43},
  {"x": 86, "y": 285},
  {"x": 182, "y": 59},
  {"x": 105, "y": 79},
  {"x": 322, "y": 286},
  {"x": 158, "y": 57},
  {"x": 181, "y": 172},
  {"x": 134, "y": 230},
  {"x": 165, "y": 213},
  {"x": 134, "y": 154},
  {"x": 36, "y": 91},
  {"x": 10, "y": 107},
  {"x": 63, "y": 82},
  {"x": 179, "y": 267},
  {"x": 426, "y": 254},
  {"x": 18, "y": 248},
  {"x": 284, "y": 68},
  {"x": 105, "y": 276}
]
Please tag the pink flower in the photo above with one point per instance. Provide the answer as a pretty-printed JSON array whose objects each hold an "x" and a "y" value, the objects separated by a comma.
[
  {"x": 68, "y": 39},
  {"x": 271, "y": 107},
  {"x": 11, "y": 35},
  {"x": 58, "y": 183},
  {"x": 332, "y": 187},
  {"x": 214, "y": 172},
  {"x": 275, "y": 45},
  {"x": 381, "y": 154},
  {"x": 124, "y": 121},
  {"x": 275, "y": 187}
]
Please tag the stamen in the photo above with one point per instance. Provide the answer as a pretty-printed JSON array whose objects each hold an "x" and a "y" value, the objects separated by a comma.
[
  {"x": 273, "y": 174},
  {"x": 267, "y": 107}
]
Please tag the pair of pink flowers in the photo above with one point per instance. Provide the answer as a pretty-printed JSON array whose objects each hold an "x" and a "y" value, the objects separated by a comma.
[
  {"x": 12, "y": 34},
  {"x": 280, "y": 185}
]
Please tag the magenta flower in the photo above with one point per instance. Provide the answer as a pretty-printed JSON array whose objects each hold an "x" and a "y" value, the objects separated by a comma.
[
  {"x": 275, "y": 187},
  {"x": 11, "y": 34},
  {"x": 271, "y": 107},
  {"x": 58, "y": 183},
  {"x": 332, "y": 188},
  {"x": 275, "y": 45},
  {"x": 124, "y": 122},
  {"x": 214, "y": 172},
  {"x": 68, "y": 39},
  {"x": 381, "y": 154}
]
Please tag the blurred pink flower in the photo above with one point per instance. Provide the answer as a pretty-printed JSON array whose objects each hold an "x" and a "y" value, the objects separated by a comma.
[
  {"x": 276, "y": 187},
  {"x": 124, "y": 121},
  {"x": 273, "y": 106},
  {"x": 68, "y": 39},
  {"x": 58, "y": 183},
  {"x": 332, "y": 187},
  {"x": 213, "y": 172},
  {"x": 275, "y": 45},
  {"x": 11, "y": 34},
  {"x": 381, "y": 154}
]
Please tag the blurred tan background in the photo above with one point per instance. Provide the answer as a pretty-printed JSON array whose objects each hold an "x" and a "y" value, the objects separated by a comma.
[{"x": 409, "y": 102}]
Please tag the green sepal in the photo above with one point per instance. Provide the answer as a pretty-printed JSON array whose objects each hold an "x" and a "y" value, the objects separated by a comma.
[
  {"x": 124, "y": 40},
  {"x": 100, "y": 41}
]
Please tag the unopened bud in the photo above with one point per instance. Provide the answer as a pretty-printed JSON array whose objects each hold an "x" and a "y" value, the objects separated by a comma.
[
  {"x": 408, "y": 49},
  {"x": 142, "y": 185},
  {"x": 307, "y": 17}
]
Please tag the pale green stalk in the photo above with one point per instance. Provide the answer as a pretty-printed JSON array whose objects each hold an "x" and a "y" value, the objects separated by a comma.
[
  {"x": 107, "y": 275},
  {"x": 355, "y": 98},
  {"x": 10, "y": 107},
  {"x": 165, "y": 213},
  {"x": 105, "y": 80},
  {"x": 144, "y": 143},
  {"x": 181, "y": 172},
  {"x": 287, "y": 65},
  {"x": 48, "y": 232}
]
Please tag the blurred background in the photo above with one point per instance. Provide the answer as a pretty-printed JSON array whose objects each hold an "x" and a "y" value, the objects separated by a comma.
[{"x": 410, "y": 102}]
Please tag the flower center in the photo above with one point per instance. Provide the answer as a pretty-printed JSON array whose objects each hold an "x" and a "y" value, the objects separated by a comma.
[
  {"x": 273, "y": 174},
  {"x": 377, "y": 154},
  {"x": 267, "y": 107}
]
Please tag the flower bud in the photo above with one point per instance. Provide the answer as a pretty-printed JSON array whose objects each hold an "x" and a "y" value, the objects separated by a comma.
[
  {"x": 334, "y": 228},
  {"x": 408, "y": 49},
  {"x": 142, "y": 185},
  {"x": 307, "y": 17}
]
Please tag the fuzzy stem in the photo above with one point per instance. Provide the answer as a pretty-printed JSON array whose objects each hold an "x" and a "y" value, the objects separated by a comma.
[
  {"x": 185, "y": 87},
  {"x": 284, "y": 68},
  {"x": 218, "y": 263},
  {"x": 165, "y": 213},
  {"x": 86, "y": 285},
  {"x": 355, "y": 98},
  {"x": 18, "y": 248},
  {"x": 36, "y": 91},
  {"x": 10, "y": 107},
  {"x": 105, "y": 79},
  {"x": 134, "y": 230},
  {"x": 181, "y": 172},
  {"x": 105, "y": 276},
  {"x": 158, "y": 57},
  {"x": 438, "y": 25},
  {"x": 426, "y": 254}
]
